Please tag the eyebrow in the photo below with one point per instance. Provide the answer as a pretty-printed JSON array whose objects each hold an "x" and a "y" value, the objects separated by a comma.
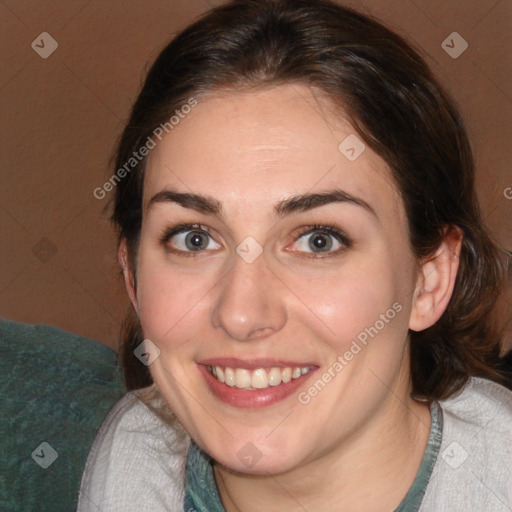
[{"x": 300, "y": 203}]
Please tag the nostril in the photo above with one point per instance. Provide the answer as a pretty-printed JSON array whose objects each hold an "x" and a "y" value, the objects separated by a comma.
[{"x": 260, "y": 333}]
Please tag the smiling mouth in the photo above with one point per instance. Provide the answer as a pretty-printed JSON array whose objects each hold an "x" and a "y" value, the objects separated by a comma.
[{"x": 260, "y": 378}]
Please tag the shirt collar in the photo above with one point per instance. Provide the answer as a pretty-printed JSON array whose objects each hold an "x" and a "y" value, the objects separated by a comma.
[{"x": 202, "y": 495}]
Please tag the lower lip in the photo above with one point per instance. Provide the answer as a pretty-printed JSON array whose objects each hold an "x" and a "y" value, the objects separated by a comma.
[{"x": 252, "y": 398}]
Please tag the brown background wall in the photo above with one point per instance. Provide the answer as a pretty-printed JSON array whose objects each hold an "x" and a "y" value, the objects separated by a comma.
[{"x": 62, "y": 115}]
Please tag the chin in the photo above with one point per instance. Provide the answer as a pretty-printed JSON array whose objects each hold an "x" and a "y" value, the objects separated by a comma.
[
  {"x": 253, "y": 458},
  {"x": 263, "y": 465}
]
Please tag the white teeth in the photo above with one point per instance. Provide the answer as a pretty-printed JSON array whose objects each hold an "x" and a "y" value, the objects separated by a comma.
[
  {"x": 296, "y": 373},
  {"x": 229, "y": 377},
  {"x": 274, "y": 376},
  {"x": 242, "y": 378},
  {"x": 257, "y": 379}
]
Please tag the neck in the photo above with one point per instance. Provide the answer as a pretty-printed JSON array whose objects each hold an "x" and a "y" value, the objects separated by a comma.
[{"x": 373, "y": 470}]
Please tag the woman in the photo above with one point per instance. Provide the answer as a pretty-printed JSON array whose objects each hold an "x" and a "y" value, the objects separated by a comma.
[{"x": 300, "y": 240}]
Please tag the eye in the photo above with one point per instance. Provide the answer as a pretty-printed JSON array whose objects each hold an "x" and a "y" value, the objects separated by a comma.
[
  {"x": 321, "y": 239},
  {"x": 188, "y": 238}
]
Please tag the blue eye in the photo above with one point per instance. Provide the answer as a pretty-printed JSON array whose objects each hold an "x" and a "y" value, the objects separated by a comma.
[
  {"x": 192, "y": 239},
  {"x": 188, "y": 239},
  {"x": 321, "y": 239}
]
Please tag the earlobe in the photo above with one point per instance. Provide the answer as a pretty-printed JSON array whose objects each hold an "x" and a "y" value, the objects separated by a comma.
[
  {"x": 436, "y": 281},
  {"x": 129, "y": 282}
]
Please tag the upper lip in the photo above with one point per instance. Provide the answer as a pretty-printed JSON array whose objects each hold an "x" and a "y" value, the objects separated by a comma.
[{"x": 253, "y": 364}]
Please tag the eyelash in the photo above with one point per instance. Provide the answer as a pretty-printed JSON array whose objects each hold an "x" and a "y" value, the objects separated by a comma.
[{"x": 168, "y": 233}]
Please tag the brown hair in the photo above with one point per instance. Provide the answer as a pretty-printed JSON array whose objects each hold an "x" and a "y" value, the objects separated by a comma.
[{"x": 397, "y": 107}]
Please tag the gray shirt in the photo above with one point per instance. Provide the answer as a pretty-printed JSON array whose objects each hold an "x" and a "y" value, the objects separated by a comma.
[{"x": 138, "y": 462}]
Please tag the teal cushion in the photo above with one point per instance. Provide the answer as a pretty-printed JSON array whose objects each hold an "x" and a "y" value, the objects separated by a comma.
[{"x": 55, "y": 390}]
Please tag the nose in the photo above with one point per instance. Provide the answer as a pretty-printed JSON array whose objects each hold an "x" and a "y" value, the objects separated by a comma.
[{"x": 250, "y": 302}]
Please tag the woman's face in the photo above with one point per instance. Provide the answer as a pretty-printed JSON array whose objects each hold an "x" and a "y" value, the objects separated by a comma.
[{"x": 255, "y": 292}]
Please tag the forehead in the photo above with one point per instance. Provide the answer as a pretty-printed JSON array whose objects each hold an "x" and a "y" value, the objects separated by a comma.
[{"x": 263, "y": 145}]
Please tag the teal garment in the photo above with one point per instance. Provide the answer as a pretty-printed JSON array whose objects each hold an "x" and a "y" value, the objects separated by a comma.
[
  {"x": 413, "y": 499},
  {"x": 201, "y": 493},
  {"x": 56, "y": 388}
]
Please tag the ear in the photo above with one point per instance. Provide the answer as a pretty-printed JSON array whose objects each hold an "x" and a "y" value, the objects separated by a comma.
[
  {"x": 436, "y": 280},
  {"x": 129, "y": 282}
]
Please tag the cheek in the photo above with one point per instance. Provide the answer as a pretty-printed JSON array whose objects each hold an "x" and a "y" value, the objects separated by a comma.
[
  {"x": 170, "y": 303},
  {"x": 342, "y": 305}
]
